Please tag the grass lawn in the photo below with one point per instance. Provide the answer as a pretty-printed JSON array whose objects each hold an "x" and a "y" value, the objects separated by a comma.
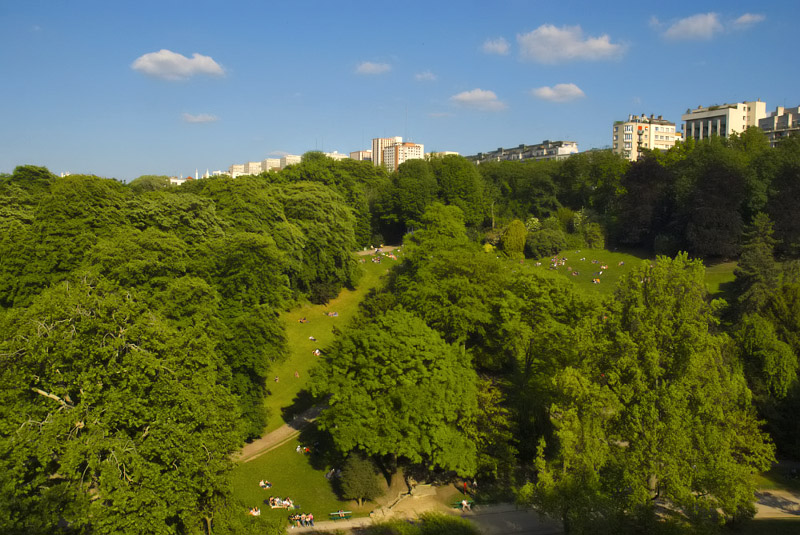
[
  {"x": 582, "y": 262},
  {"x": 283, "y": 402},
  {"x": 718, "y": 278},
  {"x": 292, "y": 475},
  {"x": 778, "y": 478}
]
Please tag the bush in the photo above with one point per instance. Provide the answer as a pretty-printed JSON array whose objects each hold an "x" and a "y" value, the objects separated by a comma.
[
  {"x": 359, "y": 479},
  {"x": 546, "y": 242}
]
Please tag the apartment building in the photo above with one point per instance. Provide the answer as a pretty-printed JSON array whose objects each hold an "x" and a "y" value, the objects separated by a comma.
[
  {"x": 642, "y": 132},
  {"x": 236, "y": 169},
  {"x": 781, "y": 123},
  {"x": 252, "y": 168},
  {"x": 380, "y": 143},
  {"x": 722, "y": 121},
  {"x": 546, "y": 150},
  {"x": 271, "y": 164},
  {"x": 396, "y": 154},
  {"x": 290, "y": 159},
  {"x": 361, "y": 155}
]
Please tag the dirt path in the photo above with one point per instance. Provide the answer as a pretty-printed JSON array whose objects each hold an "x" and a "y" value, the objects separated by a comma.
[
  {"x": 279, "y": 436},
  {"x": 777, "y": 504}
]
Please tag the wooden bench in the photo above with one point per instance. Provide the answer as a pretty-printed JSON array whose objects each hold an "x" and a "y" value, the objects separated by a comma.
[{"x": 341, "y": 515}]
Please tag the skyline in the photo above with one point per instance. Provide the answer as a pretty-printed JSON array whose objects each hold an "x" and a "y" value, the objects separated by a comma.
[{"x": 126, "y": 90}]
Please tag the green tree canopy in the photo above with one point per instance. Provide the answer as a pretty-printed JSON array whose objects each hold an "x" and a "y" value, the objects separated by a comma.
[{"x": 396, "y": 388}]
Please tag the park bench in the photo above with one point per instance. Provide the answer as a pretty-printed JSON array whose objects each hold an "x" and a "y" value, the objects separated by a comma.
[
  {"x": 457, "y": 505},
  {"x": 341, "y": 515}
]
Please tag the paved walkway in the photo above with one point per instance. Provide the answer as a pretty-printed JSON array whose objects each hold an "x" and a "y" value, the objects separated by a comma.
[
  {"x": 280, "y": 436},
  {"x": 500, "y": 519}
]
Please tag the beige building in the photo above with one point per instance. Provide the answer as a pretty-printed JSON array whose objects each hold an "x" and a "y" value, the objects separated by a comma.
[
  {"x": 236, "y": 169},
  {"x": 361, "y": 155},
  {"x": 398, "y": 153},
  {"x": 642, "y": 132},
  {"x": 380, "y": 143},
  {"x": 546, "y": 150},
  {"x": 724, "y": 120},
  {"x": 271, "y": 164},
  {"x": 781, "y": 123},
  {"x": 290, "y": 159},
  {"x": 252, "y": 168}
]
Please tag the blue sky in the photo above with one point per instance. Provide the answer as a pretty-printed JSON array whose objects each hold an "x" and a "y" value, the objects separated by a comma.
[{"x": 121, "y": 89}]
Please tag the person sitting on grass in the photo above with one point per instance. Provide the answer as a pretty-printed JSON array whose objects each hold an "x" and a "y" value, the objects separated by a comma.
[
  {"x": 465, "y": 506},
  {"x": 255, "y": 511},
  {"x": 264, "y": 484}
]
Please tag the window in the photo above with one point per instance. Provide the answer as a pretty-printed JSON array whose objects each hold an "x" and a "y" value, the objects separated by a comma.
[
  {"x": 628, "y": 137},
  {"x": 615, "y": 137},
  {"x": 627, "y": 145},
  {"x": 629, "y": 128}
]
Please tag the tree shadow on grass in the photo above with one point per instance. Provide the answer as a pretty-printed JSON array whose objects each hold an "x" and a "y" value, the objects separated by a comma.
[{"x": 301, "y": 403}]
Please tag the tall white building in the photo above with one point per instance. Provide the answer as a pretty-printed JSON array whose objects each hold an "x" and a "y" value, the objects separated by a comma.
[
  {"x": 398, "y": 153},
  {"x": 722, "y": 121},
  {"x": 380, "y": 143},
  {"x": 642, "y": 132},
  {"x": 780, "y": 123}
]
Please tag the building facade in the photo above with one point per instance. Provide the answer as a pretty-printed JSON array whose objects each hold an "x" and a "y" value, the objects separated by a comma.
[
  {"x": 271, "y": 164},
  {"x": 380, "y": 143},
  {"x": 722, "y": 121},
  {"x": 252, "y": 168},
  {"x": 546, "y": 150},
  {"x": 642, "y": 132},
  {"x": 781, "y": 123},
  {"x": 361, "y": 155},
  {"x": 290, "y": 159},
  {"x": 236, "y": 170},
  {"x": 396, "y": 154}
]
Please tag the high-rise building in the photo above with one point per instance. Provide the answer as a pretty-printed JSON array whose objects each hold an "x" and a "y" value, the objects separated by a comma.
[
  {"x": 398, "y": 153},
  {"x": 722, "y": 121},
  {"x": 780, "y": 123},
  {"x": 642, "y": 132},
  {"x": 380, "y": 143}
]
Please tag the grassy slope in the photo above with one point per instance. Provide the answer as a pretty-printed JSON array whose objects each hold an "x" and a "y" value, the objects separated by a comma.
[
  {"x": 283, "y": 399},
  {"x": 718, "y": 276},
  {"x": 301, "y": 477}
]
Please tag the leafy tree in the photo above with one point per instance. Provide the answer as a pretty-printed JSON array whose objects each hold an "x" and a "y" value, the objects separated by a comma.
[
  {"x": 416, "y": 189},
  {"x": 396, "y": 388},
  {"x": 770, "y": 364},
  {"x": 359, "y": 479},
  {"x": 110, "y": 420},
  {"x": 544, "y": 242},
  {"x": 513, "y": 239},
  {"x": 757, "y": 273},
  {"x": 149, "y": 183},
  {"x": 783, "y": 205},
  {"x": 656, "y": 413},
  {"x": 460, "y": 185}
]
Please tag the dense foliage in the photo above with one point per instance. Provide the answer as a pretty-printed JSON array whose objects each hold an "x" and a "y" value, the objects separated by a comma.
[
  {"x": 139, "y": 322},
  {"x": 137, "y": 327}
]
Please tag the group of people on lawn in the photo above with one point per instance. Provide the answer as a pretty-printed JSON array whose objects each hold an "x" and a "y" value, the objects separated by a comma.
[{"x": 302, "y": 519}]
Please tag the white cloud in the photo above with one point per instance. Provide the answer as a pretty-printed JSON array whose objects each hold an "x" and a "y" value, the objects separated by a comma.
[
  {"x": 368, "y": 67},
  {"x": 548, "y": 44},
  {"x": 747, "y": 20},
  {"x": 497, "y": 46},
  {"x": 199, "y": 118},
  {"x": 279, "y": 153},
  {"x": 558, "y": 93},
  {"x": 426, "y": 76},
  {"x": 479, "y": 99},
  {"x": 654, "y": 22},
  {"x": 702, "y": 26},
  {"x": 173, "y": 66}
]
